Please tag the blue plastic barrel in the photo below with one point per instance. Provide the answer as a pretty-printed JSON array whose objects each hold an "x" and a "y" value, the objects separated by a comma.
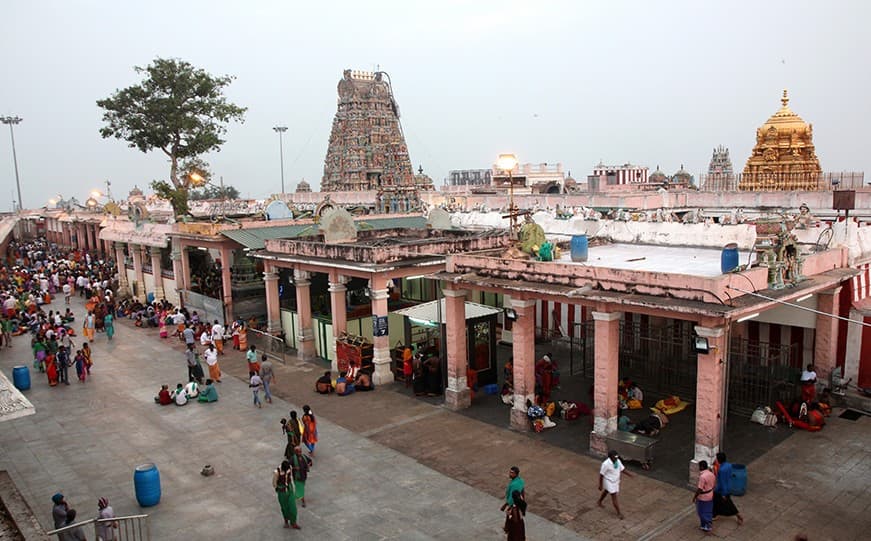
[
  {"x": 739, "y": 479},
  {"x": 580, "y": 248},
  {"x": 21, "y": 378},
  {"x": 729, "y": 258},
  {"x": 146, "y": 480},
  {"x": 149, "y": 298}
]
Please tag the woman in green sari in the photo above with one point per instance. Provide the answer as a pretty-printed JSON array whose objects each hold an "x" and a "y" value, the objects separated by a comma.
[
  {"x": 300, "y": 466},
  {"x": 109, "y": 323},
  {"x": 282, "y": 482}
]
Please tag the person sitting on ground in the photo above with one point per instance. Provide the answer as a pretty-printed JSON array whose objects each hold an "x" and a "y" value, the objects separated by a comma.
[
  {"x": 209, "y": 394},
  {"x": 324, "y": 384},
  {"x": 624, "y": 423},
  {"x": 180, "y": 397},
  {"x": 343, "y": 388},
  {"x": 163, "y": 397},
  {"x": 192, "y": 390},
  {"x": 363, "y": 382}
]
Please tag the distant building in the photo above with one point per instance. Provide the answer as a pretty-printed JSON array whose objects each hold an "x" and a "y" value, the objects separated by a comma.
[
  {"x": 532, "y": 178},
  {"x": 617, "y": 177},
  {"x": 303, "y": 187},
  {"x": 469, "y": 177}
]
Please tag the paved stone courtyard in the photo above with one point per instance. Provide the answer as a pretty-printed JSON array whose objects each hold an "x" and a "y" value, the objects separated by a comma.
[{"x": 388, "y": 466}]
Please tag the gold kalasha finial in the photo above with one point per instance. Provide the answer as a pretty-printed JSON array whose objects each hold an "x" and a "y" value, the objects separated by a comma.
[{"x": 784, "y": 100}]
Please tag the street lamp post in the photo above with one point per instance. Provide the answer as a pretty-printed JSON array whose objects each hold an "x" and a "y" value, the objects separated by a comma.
[
  {"x": 12, "y": 121},
  {"x": 280, "y": 130},
  {"x": 507, "y": 162}
]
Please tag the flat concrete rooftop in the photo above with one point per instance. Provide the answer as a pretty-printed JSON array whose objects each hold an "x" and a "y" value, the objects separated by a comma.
[{"x": 702, "y": 262}]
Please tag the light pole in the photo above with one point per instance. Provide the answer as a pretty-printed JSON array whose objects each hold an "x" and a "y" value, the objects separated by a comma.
[
  {"x": 12, "y": 121},
  {"x": 280, "y": 130},
  {"x": 507, "y": 162}
]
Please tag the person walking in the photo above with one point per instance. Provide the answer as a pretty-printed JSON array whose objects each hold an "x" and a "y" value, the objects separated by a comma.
[
  {"x": 609, "y": 480},
  {"x": 282, "y": 482},
  {"x": 515, "y": 484},
  {"x": 310, "y": 424},
  {"x": 218, "y": 336},
  {"x": 514, "y": 524},
  {"x": 188, "y": 335},
  {"x": 105, "y": 530},
  {"x": 300, "y": 466},
  {"x": 109, "y": 324},
  {"x": 195, "y": 369},
  {"x": 704, "y": 497},
  {"x": 59, "y": 510},
  {"x": 723, "y": 505},
  {"x": 211, "y": 355},
  {"x": 63, "y": 362},
  {"x": 268, "y": 377},
  {"x": 255, "y": 383},
  {"x": 251, "y": 357},
  {"x": 88, "y": 326}
]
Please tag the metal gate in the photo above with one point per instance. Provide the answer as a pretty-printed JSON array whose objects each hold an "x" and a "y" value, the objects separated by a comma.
[
  {"x": 760, "y": 374},
  {"x": 659, "y": 358}
]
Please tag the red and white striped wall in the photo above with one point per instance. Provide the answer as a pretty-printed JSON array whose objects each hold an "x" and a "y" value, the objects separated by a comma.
[{"x": 861, "y": 283}]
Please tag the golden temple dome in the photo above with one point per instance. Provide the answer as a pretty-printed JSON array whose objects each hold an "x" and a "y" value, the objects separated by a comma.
[
  {"x": 784, "y": 157},
  {"x": 784, "y": 118}
]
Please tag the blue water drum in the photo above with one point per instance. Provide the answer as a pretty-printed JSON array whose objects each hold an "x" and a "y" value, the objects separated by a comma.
[
  {"x": 21, "y": 378},
  {"x": 146, "y": 480},
  {"x": 149, "y": 298},
  {"x": 580, "y": 248},
  {"x": 729, "y": 258},
  {"x": 739, "y": 479}
]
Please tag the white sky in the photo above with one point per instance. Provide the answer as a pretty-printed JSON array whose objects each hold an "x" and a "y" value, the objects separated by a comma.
[{"x": 572, "y": 82}]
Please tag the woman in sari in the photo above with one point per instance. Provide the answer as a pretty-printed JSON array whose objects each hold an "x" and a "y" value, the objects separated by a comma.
[
  {"x": 282, "y": 482},
  {"x": 51, "y": 370},
  {"x": 88, "y": 326},
  {"x": 161, "y": 324},
  {"x": 211, "y": 356},
  {"x": 86, "y": 351},
  {"x": 293, "y": 429},
  {"x": 109, "y": 322},
  {"x": 310, "y": 436},
  {"x": 39, "y": 353},
  {"x": 243, "y": 337},
  {"x": 234, "y": 331}
]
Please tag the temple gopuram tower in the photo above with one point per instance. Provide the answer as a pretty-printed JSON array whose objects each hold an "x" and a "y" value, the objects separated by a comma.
[
  {"x": 784, "y": 157},
  {"x": 720, "y": 174},
  {"x": 367, "y": 149}
]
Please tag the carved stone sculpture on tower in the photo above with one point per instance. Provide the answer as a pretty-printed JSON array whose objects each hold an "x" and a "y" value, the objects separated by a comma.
[{"x": 367, "y": 149}]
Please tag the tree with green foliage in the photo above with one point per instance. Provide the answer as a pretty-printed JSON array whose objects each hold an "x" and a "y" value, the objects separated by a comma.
[
  {"x": 178, "y": 109},
  {"x": 214, "y": 192}
]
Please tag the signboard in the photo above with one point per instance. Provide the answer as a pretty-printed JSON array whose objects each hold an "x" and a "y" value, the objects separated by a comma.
[{"x": 379, "y": 326}]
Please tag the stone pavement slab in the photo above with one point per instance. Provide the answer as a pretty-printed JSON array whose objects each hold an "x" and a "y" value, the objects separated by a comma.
[{"x": 86, "y": 439}]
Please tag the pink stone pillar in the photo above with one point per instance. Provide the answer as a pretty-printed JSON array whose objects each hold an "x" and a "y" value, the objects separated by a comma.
[
  {"x": 92, "y": 237},
  {"x": 379, "y": 295},
  {"x": 185, "y": 280},
  {"x": 606, "y": 337},
  {"x": 68, "y": 238},
  {"x": 826, "y": 335},
  {"x": 273, "y": 303},
  {"x": 523, "y": 338},
  {"x": 123, "y": 284},
  {"x": 457, "y": 395},
  {"x": 80, "y": 237},
  {"x": 157, "y": 272},
  {"x": 710, "y": 395},
  {"x": 138, "y": 271},
  {"x": 339, "y": 312},
  {"x": 227, "y": 283},
  {"x": 305, "y": 338}
]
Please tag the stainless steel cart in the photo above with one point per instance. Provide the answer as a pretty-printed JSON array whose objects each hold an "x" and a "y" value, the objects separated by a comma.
[{"x": 633, "y": 447}]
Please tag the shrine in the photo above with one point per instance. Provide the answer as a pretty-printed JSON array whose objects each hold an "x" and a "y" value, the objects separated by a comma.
[
  {"x": 783, "y": 157},
  {"x": 720, "y": 174}
]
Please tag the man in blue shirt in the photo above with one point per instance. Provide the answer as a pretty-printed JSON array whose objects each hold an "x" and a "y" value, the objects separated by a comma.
[{"x": 723, "y": 505}]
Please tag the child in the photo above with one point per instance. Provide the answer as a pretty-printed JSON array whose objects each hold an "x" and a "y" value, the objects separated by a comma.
[
  {"x": 86, "y": 351},
  {"x": 81, "y": 369}
]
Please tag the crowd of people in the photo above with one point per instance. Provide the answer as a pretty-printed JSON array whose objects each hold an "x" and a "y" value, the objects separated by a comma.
[{"x": 290, "y": 477}]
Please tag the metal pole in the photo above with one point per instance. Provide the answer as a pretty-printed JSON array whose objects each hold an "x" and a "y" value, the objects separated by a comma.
[
  {"x": 11, "y": 121},
  {"x": 280, "y": 130}
]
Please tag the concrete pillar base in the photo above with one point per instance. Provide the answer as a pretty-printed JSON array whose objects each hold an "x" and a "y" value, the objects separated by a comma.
[
  {"x": 458, "y": 399},
  {"x": 519, "y": 420},
  {"x": 306, "y": 350},
  {"x": 598, "y": 444},
  {"x": 383, "y": 375}
]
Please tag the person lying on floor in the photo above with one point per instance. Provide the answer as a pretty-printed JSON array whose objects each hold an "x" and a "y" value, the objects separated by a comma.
[
  {"x": 652, "y": 425},
  {"x": 624, "y": 423},
  {"x": 363, "y": 382}
]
